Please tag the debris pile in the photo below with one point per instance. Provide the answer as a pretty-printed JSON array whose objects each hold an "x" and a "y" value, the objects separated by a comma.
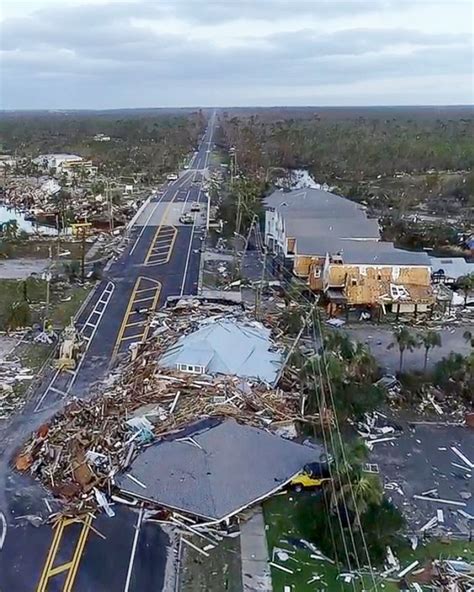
[
  {"x": 39, "y": 198},
  {"x": 376, "y": 428},
  {"x": 452, "y": 574},
  {"x": 12, "y": 373},
  {"x": 85, "y": 445}
]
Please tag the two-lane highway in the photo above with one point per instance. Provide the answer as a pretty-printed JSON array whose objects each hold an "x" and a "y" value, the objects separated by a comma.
[{"x": 101, "y": 554}]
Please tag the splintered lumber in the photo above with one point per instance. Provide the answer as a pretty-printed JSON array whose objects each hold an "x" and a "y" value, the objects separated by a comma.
[
  {"x": 408, "y": 569},
  {"x": 439, "y": 500},
  {"x": 88, "y": 442},
  {"x": 195, "y": 547}
]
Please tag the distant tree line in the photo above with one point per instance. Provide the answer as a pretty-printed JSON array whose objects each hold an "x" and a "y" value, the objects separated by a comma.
[
  {"x": 349, "y": 148},
  {"x": 149, "y": 143}
]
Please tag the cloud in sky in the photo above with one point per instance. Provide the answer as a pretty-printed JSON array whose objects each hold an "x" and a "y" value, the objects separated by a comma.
[{"x": 145, "y": 53}]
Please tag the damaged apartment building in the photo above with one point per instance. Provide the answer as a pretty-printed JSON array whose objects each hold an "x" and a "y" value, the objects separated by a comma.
[{"x": 330, "y": 243}]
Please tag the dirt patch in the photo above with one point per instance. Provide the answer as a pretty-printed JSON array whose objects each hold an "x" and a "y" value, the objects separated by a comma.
[{"x": 219, "y": 572}]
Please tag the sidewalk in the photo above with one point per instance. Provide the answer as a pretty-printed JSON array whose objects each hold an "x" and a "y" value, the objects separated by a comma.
[{"x": 254, "y": 551}]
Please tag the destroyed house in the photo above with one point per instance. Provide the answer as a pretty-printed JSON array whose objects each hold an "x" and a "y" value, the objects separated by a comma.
[
  {"x": 329, "y": 242},
  {"x": 210, "y": 469},
  {"x": 377, "y": 275},
  {"x": 225, "y": 346}
]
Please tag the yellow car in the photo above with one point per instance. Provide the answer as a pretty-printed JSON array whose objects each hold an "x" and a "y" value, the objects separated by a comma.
[{"x": 313, "y": 475}]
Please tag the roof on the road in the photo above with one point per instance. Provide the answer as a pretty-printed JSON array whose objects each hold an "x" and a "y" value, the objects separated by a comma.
[
  {"x": 226, "y": 346},
  {"x": 214, "y": 471}
]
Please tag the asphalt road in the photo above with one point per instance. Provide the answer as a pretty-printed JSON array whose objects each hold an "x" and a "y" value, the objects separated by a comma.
[
  {"x": 161, "y": 258},
  {"x": 379, "y": 338}
]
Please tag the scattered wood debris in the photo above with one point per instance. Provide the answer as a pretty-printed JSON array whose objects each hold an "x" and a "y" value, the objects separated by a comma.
[{"x": 81, "y": 450}]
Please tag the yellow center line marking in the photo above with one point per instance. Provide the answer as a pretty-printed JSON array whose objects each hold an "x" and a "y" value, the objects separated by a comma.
[
  {"x": 163, "y": 218},
  {"x": 141, "y": 290},
  {"x": 59, "y": 569},
  {"x": 161, "y": 247},
  {"x": 51, "y": 556},
  {"x": 162, "y": 250},
  {"x": 71, "y": 577},
  {"x": 138, "y": 336},
  {"x": 144, "y": 299},
  {"x": 71, "y": 566},
  {"x": 131, "y": 304}
]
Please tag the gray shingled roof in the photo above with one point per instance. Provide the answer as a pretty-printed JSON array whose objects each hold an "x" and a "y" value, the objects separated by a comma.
[
  {"x": 362, "y": 252},
  {"x": 300, "y": 202},
  {"x": 342, "y": 227},
  {"x": 229, "y": 467},
  {"x": 323, "y": 222}
]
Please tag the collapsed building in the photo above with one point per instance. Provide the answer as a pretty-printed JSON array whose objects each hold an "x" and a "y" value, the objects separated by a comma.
[
  {"x": 329, "y": 242},
  {"x": 175, "y": 439},
  {"x": 224, "y": 346}
]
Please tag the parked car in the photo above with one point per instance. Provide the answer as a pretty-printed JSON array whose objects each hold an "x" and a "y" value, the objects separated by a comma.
[
  {"x": 313, "y": 475},
  {"x": 195, "y": 207}
]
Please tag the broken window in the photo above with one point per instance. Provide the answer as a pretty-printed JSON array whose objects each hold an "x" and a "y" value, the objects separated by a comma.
[{"x": 397, "y": 292}]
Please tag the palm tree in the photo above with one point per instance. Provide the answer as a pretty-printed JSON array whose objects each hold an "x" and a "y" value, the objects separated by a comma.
[
  {"x": 354, "y": 488},
  {"x": 360, "y": 493},
  {"x": 466, "y": 283},
  {"x": 429, "y": 340},
  {"x": 469, "y": 337},
  {"x": 18, "y": 315},
  {"x": 405, "y": 341},
  {"x": 10, "y": 229}
]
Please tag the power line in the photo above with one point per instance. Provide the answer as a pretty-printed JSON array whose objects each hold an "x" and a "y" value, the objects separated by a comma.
[
  {"x": 344, "y": 456},
  {"x": 341, "y": 446},
  {"x": 332, "y": 481}
]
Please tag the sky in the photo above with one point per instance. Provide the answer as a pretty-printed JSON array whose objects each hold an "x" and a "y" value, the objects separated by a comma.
[{"x": 101, "y": 54}]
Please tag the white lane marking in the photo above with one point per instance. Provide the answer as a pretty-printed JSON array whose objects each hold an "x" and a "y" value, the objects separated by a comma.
[
  {"x": 145, "y": 225},
  {"x": 3, "y": 534},
  {"x": 107, "y": 294},
  {"x": 194, "y": 222},
  {"x": 134, "y": 550},
  {"x": 183, "y": 178}
]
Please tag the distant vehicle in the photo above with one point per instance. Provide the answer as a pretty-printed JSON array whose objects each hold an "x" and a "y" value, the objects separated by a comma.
[
  {"x": 195, "y": 207},
  {"x": 389, "y": 382},
  {"x": 172, "y": 177},
  {"x": 186, "y": 219},
  {"x": 313, "y": 475}
]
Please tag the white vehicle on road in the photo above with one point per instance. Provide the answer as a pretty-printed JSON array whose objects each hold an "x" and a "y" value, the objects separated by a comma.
[{"x": 172, "y": 177}]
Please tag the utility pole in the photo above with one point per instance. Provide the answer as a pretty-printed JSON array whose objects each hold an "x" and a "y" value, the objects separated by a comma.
[
  {"x": 295, "y": 342},
  {"x": 82, "y": 231},
  {"x": 110, "y": 206},
  {"x": 258, "y": 292},
  {"x": 47, "y": 277},
  {"x": 83, "y": 254}
]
